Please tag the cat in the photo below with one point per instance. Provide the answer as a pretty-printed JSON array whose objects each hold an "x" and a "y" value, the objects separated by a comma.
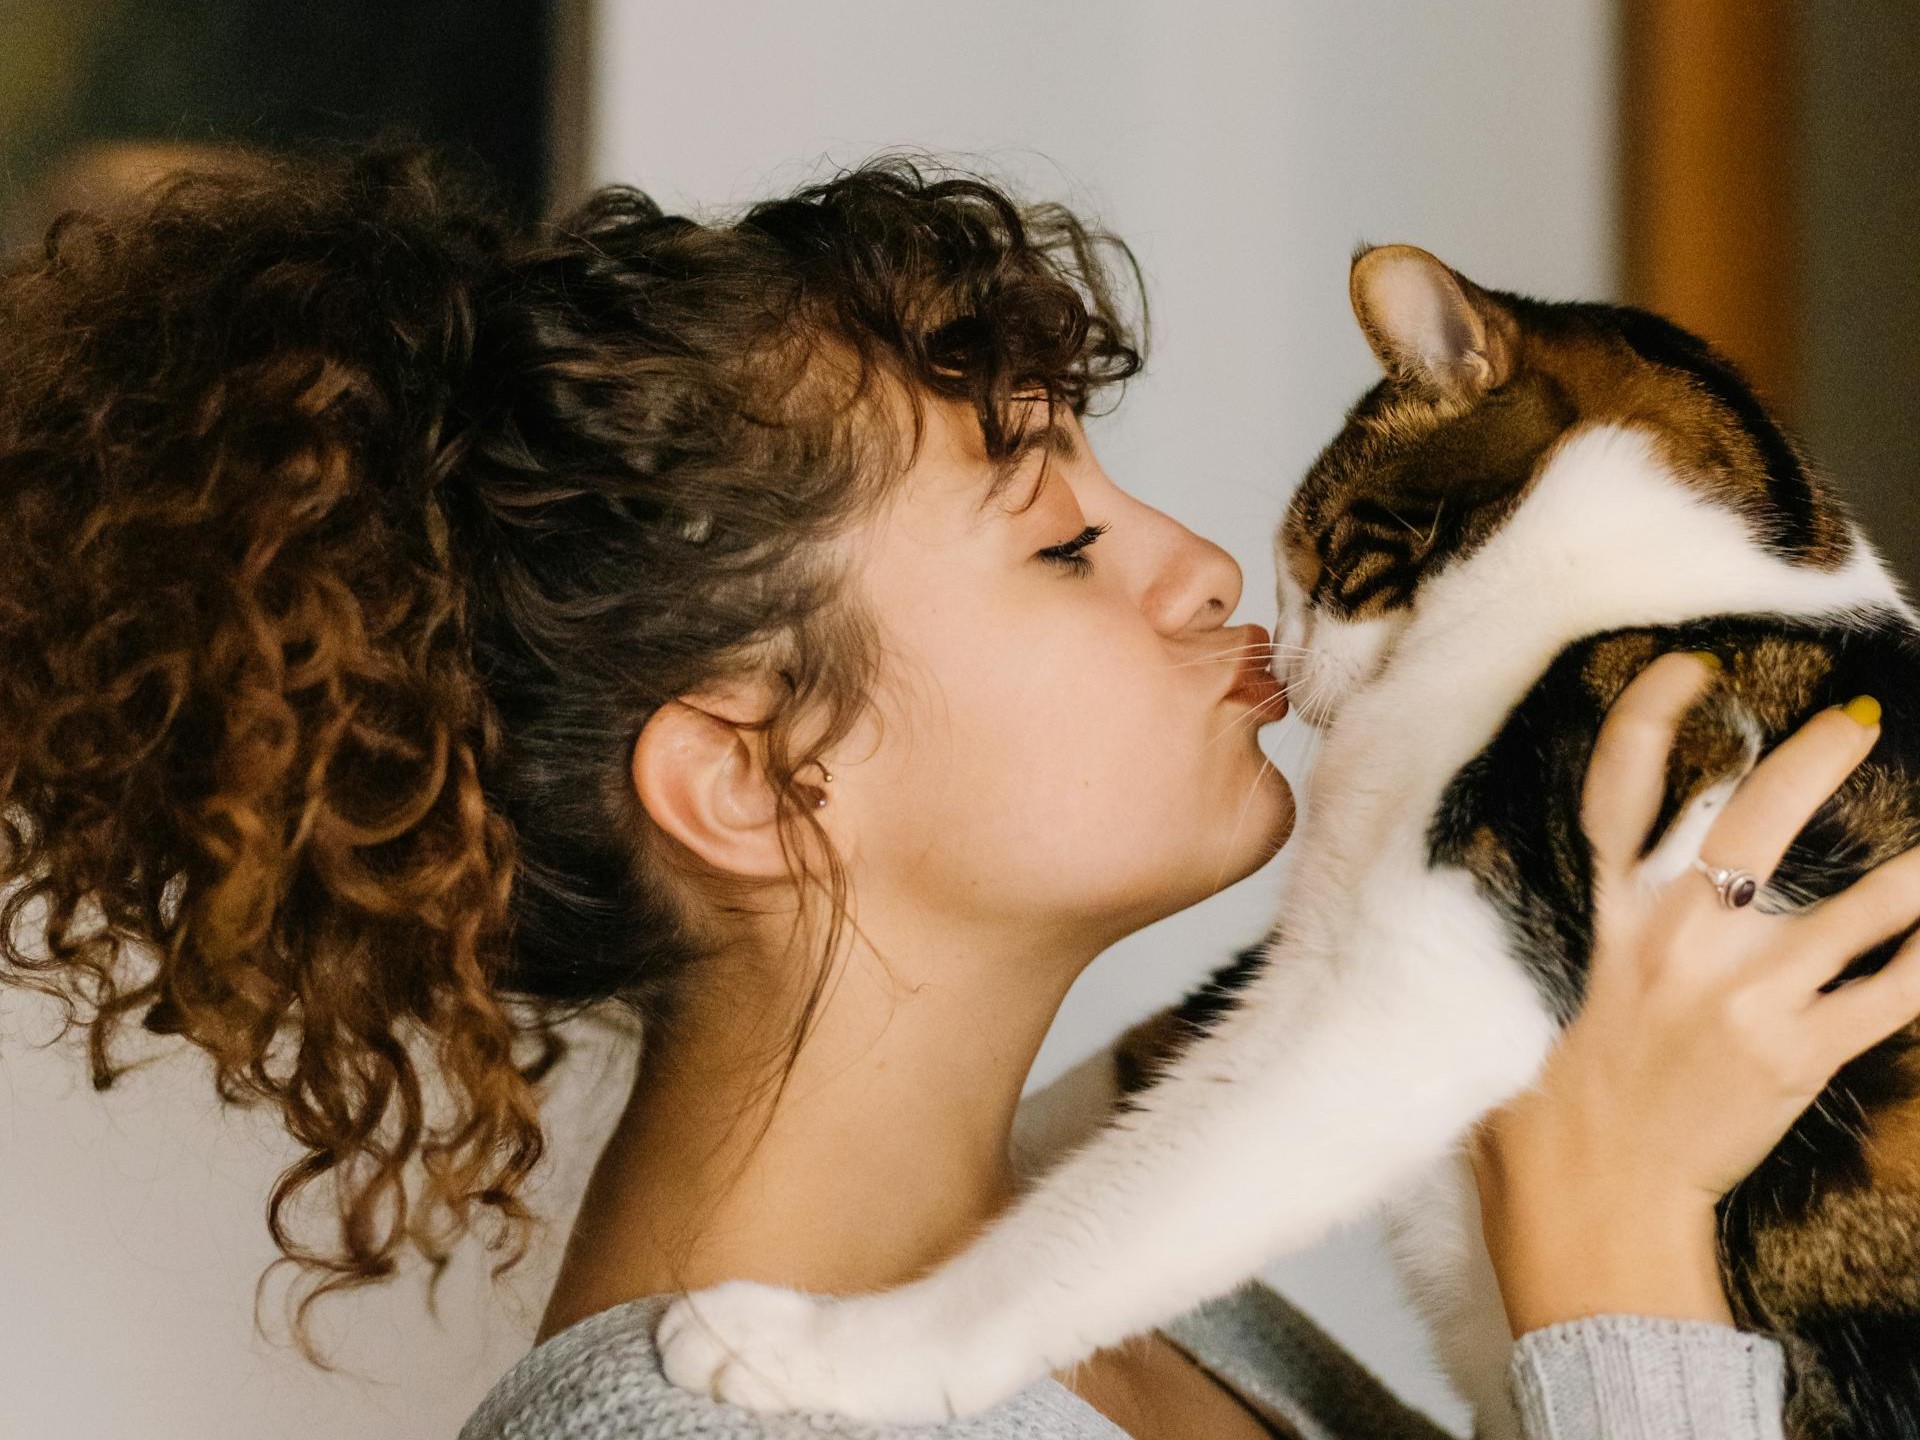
[{"x": 1534, "y": 501}]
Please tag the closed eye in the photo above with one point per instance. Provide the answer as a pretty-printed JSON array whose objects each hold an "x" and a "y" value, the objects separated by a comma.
[{"x": 1068, "y": 554}]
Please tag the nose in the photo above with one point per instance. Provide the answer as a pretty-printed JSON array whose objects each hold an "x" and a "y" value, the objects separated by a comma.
[{"x": 1196, "y": 586}]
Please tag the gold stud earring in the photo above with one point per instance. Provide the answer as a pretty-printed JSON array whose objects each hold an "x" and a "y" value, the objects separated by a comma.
[{"x": 826, "y": 776}]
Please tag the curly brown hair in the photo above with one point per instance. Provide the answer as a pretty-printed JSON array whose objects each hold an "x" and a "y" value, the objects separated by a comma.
[{"x": 354, "y": 532}]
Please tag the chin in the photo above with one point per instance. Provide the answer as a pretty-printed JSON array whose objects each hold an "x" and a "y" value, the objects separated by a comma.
[
  {"x": 1280, "y": 829},
  {"x": 1261, "y": 824}
]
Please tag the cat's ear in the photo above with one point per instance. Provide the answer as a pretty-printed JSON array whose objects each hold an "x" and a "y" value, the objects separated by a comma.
[{"x": 1428, "y": 325}]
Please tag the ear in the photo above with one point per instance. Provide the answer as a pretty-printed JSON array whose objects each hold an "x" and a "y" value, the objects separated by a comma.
[
  {"x": 1429, "y": 326},
  {"x": 701, "y": 778}
]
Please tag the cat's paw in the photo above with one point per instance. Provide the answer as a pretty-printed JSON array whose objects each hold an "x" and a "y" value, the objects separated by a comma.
[
  {"x": 773, "y": 1350},
  {"x": 746, "y": 1344}
]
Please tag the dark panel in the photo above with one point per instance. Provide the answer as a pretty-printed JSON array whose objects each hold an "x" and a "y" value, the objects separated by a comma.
[
  {"x": 1861, "y": 199},
  {"x": 471, "y": 75}
]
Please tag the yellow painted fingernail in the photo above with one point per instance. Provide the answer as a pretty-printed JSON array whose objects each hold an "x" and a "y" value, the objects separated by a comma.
[
  {"x": 1863, "y": 710},
  {"x": 1713, "y": 661}
]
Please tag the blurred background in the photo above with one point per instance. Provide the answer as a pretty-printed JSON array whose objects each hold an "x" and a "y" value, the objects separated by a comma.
[{"x": 1752, "y": 167}]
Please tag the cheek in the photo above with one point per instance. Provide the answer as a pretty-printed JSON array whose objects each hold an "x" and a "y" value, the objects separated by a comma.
[{"x": 1057, "y": 746}]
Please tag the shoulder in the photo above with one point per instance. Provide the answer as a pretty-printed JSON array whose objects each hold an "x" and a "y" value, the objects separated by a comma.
[{"x": 600, "y": 1379}]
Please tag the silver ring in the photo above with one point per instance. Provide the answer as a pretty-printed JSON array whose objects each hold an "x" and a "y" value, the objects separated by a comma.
[{"x": 1736, "y": 887}]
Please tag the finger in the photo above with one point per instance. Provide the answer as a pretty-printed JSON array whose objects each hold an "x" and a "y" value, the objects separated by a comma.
[
  {"x": 1823, "y": 939},
  {"x": 1773, "y": 803},
  {"x": 1862, "y": 1013},
  {"x": 1627, "y": 772}
]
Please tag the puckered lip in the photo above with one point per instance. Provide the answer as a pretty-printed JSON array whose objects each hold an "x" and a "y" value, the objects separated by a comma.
[{"x": 1254, "y": 682}]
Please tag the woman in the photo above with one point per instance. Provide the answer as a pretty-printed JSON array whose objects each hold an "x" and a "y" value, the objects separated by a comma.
[{"x": 421, "y": 633}]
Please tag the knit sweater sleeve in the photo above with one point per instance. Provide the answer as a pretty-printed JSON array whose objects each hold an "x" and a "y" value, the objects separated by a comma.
[{"x": 1637, "y": 1377}]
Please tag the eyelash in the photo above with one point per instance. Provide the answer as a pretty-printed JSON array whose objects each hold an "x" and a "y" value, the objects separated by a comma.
[{"x": 1069, "y": 555}]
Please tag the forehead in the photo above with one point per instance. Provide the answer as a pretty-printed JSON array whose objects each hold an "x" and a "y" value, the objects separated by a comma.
[{"x": 951, "y": 468}]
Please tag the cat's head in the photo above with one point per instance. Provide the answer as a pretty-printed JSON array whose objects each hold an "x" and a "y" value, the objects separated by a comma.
[{"x": 1481, "y": 388}]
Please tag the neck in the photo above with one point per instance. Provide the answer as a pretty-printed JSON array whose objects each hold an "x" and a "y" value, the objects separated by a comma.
[{"x": 883, "y": 1152}]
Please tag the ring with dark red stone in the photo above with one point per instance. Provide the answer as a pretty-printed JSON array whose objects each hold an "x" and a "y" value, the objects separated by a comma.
[{"x": 1736, "y": 887}]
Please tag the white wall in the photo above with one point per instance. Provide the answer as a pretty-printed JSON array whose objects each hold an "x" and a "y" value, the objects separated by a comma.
[{"x": 1242, "y": 149}]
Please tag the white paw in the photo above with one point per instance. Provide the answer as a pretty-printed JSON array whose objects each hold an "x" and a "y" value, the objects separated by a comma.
[
  {"x": 865, "y": 1357},
  {"x": 743, "y": 1343}
]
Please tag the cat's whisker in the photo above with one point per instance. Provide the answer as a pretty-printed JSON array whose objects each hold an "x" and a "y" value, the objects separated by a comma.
[
  {"x": 1240, "y": 654},
  {"x": 1224, "y": 657},
  {"x": 1305, "y": 697},
  {"x": 1249, "y": 716},
  {"x": 1292, "y": 748},
  {"x": 1239, "y": 820}
]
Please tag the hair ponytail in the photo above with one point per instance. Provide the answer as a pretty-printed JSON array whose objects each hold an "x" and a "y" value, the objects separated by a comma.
[
  {"x": 238, "y": 709},
  {"x": 350, "y": 540}
]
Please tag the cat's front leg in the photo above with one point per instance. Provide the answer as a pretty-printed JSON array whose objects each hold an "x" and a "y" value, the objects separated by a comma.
[{"x": 1329, "y": 1085}]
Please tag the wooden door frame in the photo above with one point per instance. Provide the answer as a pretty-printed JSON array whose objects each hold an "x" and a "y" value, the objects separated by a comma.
[{"x": 1708, "y": 171}]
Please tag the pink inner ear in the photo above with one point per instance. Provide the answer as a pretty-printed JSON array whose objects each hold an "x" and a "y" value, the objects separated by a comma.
[{"x": 1418, "y": 311}]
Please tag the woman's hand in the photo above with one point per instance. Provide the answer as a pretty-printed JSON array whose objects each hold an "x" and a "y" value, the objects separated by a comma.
[{"x": 1703, "y": 1035}]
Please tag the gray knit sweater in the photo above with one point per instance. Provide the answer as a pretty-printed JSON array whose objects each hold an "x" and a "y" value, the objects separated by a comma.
[{"x": 1613, "y": 1377}]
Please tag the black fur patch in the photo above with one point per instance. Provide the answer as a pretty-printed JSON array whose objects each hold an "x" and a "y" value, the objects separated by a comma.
[
  {"x": 1193, "y": 1017},
  {"x": 1871, "y": 1388},
  {"x": 1511, "y": 819},
  {"x": 1791, "y": 492},
  {"x": 1220, "y": 991}
]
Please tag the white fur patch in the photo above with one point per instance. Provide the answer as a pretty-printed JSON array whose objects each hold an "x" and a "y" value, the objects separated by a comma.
[{"x": 1334, "y": 658}]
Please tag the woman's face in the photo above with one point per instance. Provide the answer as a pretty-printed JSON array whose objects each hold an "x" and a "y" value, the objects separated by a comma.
[{"x": 1058, "y": 750}]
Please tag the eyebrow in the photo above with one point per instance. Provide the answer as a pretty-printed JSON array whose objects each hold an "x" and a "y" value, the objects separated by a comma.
[{"x": 1056, "y": 440}]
